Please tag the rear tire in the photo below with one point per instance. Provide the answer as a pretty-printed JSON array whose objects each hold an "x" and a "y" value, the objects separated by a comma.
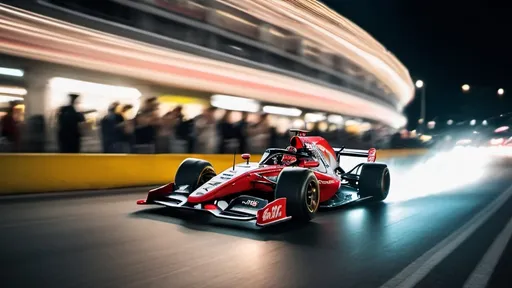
[
  {"x": 374, "y": 181},
  {"x": 194, "y": 173},
  {"x": 302, "y": 192}
]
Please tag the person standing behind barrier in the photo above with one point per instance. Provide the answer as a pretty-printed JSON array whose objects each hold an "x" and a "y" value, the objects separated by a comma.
[
  {"x": 164, "y": 133},
  {"x": 69, "y": 127},
  {"x": 260, "y": 134},
  {"x": 177, "y": 141},
  {"x": 11, "y": 129},
  {"x": 241, "y": 133},
  {"x": 125, "y": 129},
  {"x": 146, "y": 127},
  {"x": 226, "y": 132},
  {"x": 185, "y": 135},
  {"x": 108, "y": 129},
  {"x": 205, "y": 131}
]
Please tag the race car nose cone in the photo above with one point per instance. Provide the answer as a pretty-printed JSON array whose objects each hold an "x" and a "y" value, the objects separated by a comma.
[{"x": 141, "y": 202}]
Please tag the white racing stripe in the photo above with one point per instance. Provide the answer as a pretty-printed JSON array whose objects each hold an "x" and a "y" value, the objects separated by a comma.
[
  {"x": 482, "y": 273},
  {"x": 418, "y": 269}
]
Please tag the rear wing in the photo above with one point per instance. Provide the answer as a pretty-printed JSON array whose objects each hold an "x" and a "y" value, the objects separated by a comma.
[
  {"x": 370, "y": 154},
  {"x": 299, "y": 132}
]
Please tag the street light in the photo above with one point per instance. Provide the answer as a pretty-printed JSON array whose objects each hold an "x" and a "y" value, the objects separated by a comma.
[
  {"x": 501, "y": 91},
  {"x": 465, "y": 87},
  {"x": 449, "y": 122},
  {"x": 472, "y": 122},
  {"x": 421, "y": 85},
  {"x": 484, "y": 123}
]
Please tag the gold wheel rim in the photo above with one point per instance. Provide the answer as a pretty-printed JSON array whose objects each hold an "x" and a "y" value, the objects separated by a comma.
[
  {"x": 205, "y": 176},
  {"x": 312, "y": 197}
]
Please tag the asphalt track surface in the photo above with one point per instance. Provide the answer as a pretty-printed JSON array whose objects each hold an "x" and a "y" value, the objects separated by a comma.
[{"x": 105, "y": 240}]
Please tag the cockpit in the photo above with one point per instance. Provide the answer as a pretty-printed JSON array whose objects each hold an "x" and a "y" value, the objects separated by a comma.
[
  {"x": 297, "y": 154},
  {"x": 292, "y": 157},
  {"x": 287, "y": 157}
]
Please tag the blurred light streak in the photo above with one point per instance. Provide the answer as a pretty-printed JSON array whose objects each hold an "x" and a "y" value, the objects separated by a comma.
[
  {"x": 463, "y": 142},
  {"x": 352, "y": 122},
  {"x": 314, "y": 117},
  {"x": 497, "y": 141},
  {"x": 404, "y": 88},
  {"x": 8, "y": 98},
  {"x": 292, "y": 112},
  {"x": 425, "y": 138},
  {"x": 99, "y": 51},
  {"x": 94, "y": 88},
  {"x": 298, "y": 123},
  {"x": 319, "y": 23},
  {"x": 96, "y": 93},
  {"x": 441, "y": 173},
  {"x": 13, "y": 90},
  {"x": 335, "y": 119},
  {"x": 235, "y": 103},
  {"x": 11, "y": 72},
  {"x": 501, "y": 129}
]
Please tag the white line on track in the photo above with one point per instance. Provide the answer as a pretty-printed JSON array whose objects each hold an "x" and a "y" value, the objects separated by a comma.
[
  {"x": 482, "y": 273},
  {"x": 418, "y": 269}
]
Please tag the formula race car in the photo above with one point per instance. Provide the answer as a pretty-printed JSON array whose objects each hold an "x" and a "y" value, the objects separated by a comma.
[{"x": 287, "y": 184}]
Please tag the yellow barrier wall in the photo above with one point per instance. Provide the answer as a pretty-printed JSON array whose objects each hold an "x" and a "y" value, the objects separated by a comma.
[{"x": 30, "y": 173}]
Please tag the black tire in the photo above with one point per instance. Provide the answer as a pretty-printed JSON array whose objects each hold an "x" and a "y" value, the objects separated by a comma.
[
  {"x": 374, "y": 181},
  {"x": 299, "y": 186},
  {"x": 194, "y": 173}
]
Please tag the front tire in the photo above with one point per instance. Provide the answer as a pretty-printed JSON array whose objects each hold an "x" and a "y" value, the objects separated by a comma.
[
  {"x": 302, "y": 192},
  {"x": 194, "y": 173},
  {"x": 374, "y": 181}
]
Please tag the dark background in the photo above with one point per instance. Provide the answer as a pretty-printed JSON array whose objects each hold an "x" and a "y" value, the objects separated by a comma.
[{"x": 446, "y": 44}]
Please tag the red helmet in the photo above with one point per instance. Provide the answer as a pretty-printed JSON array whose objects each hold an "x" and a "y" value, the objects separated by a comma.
[
  {"x": 287, "y": 158},
  {"x": 291, "y": 149}
]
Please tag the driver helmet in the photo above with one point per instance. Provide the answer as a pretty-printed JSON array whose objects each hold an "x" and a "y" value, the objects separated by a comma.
[
  {"x": 289, "y": 159},
  {"x": 291, "y": 149}
]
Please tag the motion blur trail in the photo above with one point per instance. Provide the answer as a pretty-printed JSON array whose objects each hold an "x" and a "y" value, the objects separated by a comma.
[{"x": 438, "y": 172}]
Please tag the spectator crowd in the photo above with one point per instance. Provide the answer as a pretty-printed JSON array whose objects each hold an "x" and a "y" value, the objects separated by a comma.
[{"x": 148, "y": 132}]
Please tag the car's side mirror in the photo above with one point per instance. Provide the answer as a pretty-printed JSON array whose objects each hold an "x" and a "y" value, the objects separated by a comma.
[
  {"x": 311, "y": 164},
  {"x": 246, "y": 157}
]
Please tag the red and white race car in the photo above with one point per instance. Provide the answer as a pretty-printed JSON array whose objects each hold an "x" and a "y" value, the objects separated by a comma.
[{"x": 287, "y": 184}]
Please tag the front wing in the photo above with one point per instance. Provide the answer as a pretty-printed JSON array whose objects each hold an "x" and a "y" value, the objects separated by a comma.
[{"x": 243, "y": 208}]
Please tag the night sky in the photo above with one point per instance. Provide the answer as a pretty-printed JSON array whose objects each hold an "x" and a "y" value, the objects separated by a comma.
[{"x": 446, "y": 44}]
